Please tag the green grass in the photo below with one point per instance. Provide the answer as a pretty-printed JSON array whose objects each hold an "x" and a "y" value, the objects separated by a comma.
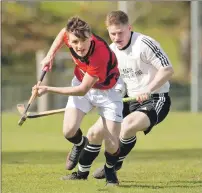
[{"x": 169, "y": 160}]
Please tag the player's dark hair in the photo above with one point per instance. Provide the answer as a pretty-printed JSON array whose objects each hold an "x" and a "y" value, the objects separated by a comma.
[
  {"x": 116, "y": 18},
  {"x": 79, "y": 28}
]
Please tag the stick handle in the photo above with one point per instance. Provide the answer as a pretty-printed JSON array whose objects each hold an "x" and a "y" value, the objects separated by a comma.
[
  {"x": 129, "y": 99},
  {"x": 132, "y": 99},
  {"x": 43, "y": 73},
  {"x": 45, "y": 113},
  {"x": 35, "y": 93}
]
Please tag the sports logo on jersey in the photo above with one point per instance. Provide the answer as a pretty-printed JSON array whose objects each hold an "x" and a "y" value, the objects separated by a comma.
[{"x": 130, "y": 73}]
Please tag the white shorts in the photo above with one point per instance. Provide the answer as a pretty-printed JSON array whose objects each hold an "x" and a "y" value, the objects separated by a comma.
[{"x": 108, "y": 102}]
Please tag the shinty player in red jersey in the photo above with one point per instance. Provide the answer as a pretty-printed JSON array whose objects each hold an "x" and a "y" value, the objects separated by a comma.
[{"x": 95, "y": 84}]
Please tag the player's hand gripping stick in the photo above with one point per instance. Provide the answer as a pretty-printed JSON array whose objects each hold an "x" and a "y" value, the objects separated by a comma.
[{"x": 24, "y": 116}]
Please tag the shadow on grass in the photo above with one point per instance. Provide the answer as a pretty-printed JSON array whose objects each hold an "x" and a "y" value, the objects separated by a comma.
[
  {"x": 159, "y": 184},
  {"x": 55, "y": 157},
  {"x": 169, "y": 184}
]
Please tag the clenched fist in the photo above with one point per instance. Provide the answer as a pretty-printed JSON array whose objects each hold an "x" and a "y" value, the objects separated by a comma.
[{"x": 41, "y": 90}]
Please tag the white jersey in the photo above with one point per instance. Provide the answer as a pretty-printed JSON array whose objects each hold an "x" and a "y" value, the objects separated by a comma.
[{"x": 139, "y": 62}]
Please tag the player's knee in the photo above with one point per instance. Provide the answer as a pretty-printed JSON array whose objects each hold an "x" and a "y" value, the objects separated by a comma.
[
  {"x": 95, "y": 135},
  {"x": 128, "y": 133},
  {"x": 135, "y": 122},
  {"x": 68, "y": 131},
  {"x": 129, "y": 129}
]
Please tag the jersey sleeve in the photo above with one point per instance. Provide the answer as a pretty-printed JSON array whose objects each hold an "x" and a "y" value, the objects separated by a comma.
[
  {"x": 153, "y": 54},
  {"x": 98, "y": 64}
]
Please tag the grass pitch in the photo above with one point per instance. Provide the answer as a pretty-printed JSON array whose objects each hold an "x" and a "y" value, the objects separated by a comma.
[{"x": 168, "y": 160}]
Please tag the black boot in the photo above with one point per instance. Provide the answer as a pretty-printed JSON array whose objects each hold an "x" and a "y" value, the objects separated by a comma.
[
  {"x": 111, "y": 178},
  {"x": 73, "y": 156},
  {"x": 99, "y": 173},
  {"x": 76, "y": 176}
]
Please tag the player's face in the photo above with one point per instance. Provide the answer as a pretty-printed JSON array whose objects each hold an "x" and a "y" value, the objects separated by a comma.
[
  {"x": 81, "y": 47},
  {"x": 120, "y": 34}
]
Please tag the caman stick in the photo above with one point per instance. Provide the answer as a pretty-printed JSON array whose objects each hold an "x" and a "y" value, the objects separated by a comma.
[
  {"x": 24, "y": 114},
  {"x": 21, "y": 108}
]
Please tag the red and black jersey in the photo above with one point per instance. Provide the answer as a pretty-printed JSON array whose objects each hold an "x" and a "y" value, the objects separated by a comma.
[{"x": 100, "y": 61}]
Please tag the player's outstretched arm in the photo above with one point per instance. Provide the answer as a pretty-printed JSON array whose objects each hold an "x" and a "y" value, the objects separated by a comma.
[
  {"x": 58, "y": 43},
  {"x": 86, "y": 84}
]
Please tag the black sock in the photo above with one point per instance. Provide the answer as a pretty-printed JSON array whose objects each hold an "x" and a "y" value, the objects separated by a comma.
[
  {"x": 77, "y": 139},
  {"x": 88, "y": 155},
  {"x": 111, "y": 159},
  {"x": 126, "y": 145}
]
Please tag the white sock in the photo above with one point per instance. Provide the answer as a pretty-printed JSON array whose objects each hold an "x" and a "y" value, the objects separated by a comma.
[{"x": 80, "y": 143}]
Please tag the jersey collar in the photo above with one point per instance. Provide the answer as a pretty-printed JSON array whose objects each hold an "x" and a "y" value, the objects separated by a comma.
[{"x": 128, "y": 44}]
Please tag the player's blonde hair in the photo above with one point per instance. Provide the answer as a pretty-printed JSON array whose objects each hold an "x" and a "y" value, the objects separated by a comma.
[
  {"x": 79, "y": 28},
  {"x": 116, "y": 18}
]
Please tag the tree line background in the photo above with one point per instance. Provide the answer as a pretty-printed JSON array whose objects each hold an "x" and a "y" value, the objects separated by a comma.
[{"x": 31, "y": 26}]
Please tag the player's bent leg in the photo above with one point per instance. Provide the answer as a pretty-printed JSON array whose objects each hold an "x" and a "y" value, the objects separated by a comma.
[
  {"x": 90, "y": 152},
  {"x": 73, "y": 133},
  {"x": 111, "y": 133},
  {"x": 112, "y": 118},
  {"x": 143, "y": 119},
  {"x": 111, "y": 113},
  {"x": 87, "y": 156},
  {"x": 111, "y": 138},
  {"x": 136, "y": 121}
]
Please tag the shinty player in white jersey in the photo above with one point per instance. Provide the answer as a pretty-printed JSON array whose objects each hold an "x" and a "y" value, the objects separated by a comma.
[{"x": 146, "y": 70}]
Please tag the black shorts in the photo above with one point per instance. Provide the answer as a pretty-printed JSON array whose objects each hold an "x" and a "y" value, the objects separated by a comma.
[{"x": 155, "y": 108}]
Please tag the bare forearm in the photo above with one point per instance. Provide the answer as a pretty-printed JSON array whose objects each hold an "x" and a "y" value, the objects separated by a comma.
[
  {"x": 53, "y": 49},
  {"x": 162, "y": 76},
  {"x": 57, "y": 44},
  {"x": 73, "y": 91},
  {"x": 80, "y": 90}
]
